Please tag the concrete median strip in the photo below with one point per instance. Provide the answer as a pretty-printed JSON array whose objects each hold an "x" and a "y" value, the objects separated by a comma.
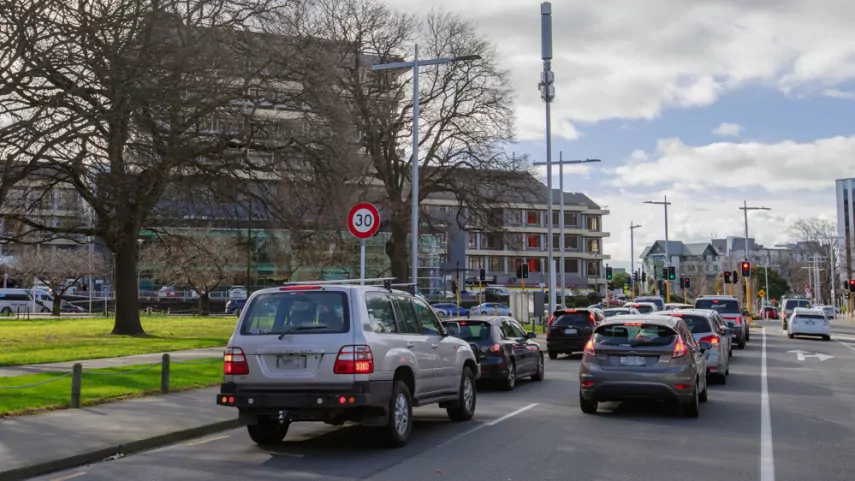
[{"x": 100, "y": 454}]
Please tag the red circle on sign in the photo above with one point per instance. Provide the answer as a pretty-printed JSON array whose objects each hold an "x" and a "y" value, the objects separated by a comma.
[{"x": 363, "y": 220}]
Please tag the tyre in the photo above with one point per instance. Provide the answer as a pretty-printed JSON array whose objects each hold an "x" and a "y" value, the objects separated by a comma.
[
  {"x": 541, "y": 372},
  {"x": 510, "y": 381},
  {"x": 268, "y": 431},
  {"x": 45, "y": 310},
  {"x": 692, "y": 408},
  {"x": 741, "y": 344},
  {"x": 552, "y": 354},
  {"x": 465, "y": 409},
  {"x": 702, "y": 397},
  {"x": 723, "y": 377},
  {"x": 397, "y": 431},
  {"x": 730, "y": 352},
  {"x": 7, "y": 311},
  {"x": 826, "y": 338},
  {"x": 748, "y": 335},
  {"x": 791, "y": 336},
  {"x": 588, "y": 407}
]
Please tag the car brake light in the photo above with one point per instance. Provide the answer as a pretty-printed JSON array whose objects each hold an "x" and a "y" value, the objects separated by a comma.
[
  {"x": 713, "y": 339},
  {"x": 679, "y": 348},
  {"x": 354, "y": 360},
  {"x": 589, "y": 347},
  {"x": 676, "y": 314},
  {"x": 495, "y": 348},
  {"x": 593, "y": 320},
  {"x": 234, "y": 362},
  {"x": 551, "y": 318},
  {"x": 301, "y": 288},
  {"x": 738, "y": 321}
]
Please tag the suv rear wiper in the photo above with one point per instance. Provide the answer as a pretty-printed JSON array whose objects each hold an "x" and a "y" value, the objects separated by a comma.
[{"x": 302, "y": 328}]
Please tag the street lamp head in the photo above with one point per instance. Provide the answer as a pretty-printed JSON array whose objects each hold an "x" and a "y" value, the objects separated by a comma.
[
  {"x": 648, "y": 202},
  {"x": 587, "y": 161}
]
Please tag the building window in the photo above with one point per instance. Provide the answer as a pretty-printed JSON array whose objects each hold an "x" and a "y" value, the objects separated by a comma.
[
  {"x": 475, "y": 262},
  {"x": 534, "y": 265},
  {"x": 593, "y": 223},
  {"x": 514, "y": 263},
  {"x": 514, "y": 242},
  {"x": 556, "y": 217},
  {"x": 491, "y": 241},
  {"x": 497, "y": 264},
  {"x": 593, "y": 245},
  {"x": 571, "y": 219},
  {"x": 473, "y": 240},
  {"x": 532, "y": 217},
  {"x": 571, "y": 266},
  {"x": 533, "y": 241},
  {"x": 571, "y": 242},
  {"x": 593, "y": 269},
  {"x": 514, "y": 217}
]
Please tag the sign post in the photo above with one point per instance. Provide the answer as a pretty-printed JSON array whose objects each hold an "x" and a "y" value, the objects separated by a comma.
[{"x": 363, "y": 222}]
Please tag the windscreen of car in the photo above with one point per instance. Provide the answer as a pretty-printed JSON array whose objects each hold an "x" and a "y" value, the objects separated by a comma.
[
  {"x": 580, "y": 318},
  {"x": 697, "y": 324},
  {"x": 297, "y": 312},
  {"x": 471, "y": 331},
  {"x": 791, "y": 304},
  {"x": 643, "y": 308},
  {"x": 657, "y": 301},
  {"x": 634, "y": 334},
  {"x": 722, "y": 306},
  {"x": 615, "y": 312},
  {"x": 810, "y": 317}
]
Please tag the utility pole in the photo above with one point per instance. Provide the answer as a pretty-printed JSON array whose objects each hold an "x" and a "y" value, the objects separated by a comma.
[
  {"x": 665, "y": 203},
  {"x": 747, "y": 280},
  {"x": 547, "y": 94},
  {"x": 849, "y": 270},
  {"x": 632, "y": 228}
]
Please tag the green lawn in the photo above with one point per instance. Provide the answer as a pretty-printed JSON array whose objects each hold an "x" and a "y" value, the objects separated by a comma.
[
  {"x": 58, "y": 340},
  {"x": 99, "y": 388}
]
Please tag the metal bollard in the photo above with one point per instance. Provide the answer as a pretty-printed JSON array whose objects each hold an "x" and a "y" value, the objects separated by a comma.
[
  {"x": 164, "y": 374},
  {"x": 76, "y": 382}
]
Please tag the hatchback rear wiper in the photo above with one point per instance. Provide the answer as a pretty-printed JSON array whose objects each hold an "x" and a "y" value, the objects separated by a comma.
[{"x": 302, "y": 328}]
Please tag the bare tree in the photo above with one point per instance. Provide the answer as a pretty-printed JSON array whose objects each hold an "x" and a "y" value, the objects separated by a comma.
[
  {"x": 201, "y": 260},
  {"x": 57, "y": 268},
  {"x": 700, "y": 282},
  {"x": 466, "y": 112},
  {"x": 819, "y": 237}
]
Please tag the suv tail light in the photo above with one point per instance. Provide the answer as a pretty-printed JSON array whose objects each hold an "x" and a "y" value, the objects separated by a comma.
[
  {"x": 551, "y": 318},
  {"x": 589, "y": 347},
  {"x": 593, "y": 319},
  {"x": 713, "y": 339},
  {"x": 495, "y": 348},
  {"x": 679, "y": 348},
  {"x": 739, "y": 321},
  {"x": 234, "y": 362},
  {"x": 354, "y": 360}
]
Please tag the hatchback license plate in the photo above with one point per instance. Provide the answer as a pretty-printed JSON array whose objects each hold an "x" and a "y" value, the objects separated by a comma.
[
  {"x": 809, "y": 323},
  {"x": 633, "y": 361},
  {"x": 291, "y": 362},
  {"x": 570, "y": 331}
]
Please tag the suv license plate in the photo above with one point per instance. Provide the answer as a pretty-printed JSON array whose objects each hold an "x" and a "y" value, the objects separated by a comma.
[
  {"x": 291, "y": 362},
  {"x": 570, "y": 331},
  {"x": 633, "y": 361}
]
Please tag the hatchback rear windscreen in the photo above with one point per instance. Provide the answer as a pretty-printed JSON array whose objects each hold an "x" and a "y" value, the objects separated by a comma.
[
  {"x": 697, "y": 324},
  {"x": 723, "y": 306},
  {"x": 643, "y": 309},
  {"x": 610, "y": 313},
  {"x": 810, "y": 317},
  {"x": 577, "y": 319},
  {"x": 471, "y": 331},
  {"x": 634, "y": 334},
  {"x": 297, "y": 312}
]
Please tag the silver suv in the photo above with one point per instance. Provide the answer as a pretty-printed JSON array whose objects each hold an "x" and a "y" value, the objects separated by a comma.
[{"x": 338, "y": 353}]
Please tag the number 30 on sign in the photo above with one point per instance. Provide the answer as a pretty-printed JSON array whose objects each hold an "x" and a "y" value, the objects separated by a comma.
[{"x": 363, "y": 220}]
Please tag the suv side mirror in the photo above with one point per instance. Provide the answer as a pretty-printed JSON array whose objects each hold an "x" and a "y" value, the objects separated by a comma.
[
  {"x": 531, "y": 335},
  {"x": 725, "y": 330},
  {"x": 705, "y": 346}
]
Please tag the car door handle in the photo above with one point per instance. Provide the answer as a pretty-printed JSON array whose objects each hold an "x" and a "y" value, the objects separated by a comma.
[
  {"x": 434, "y": 346},
  {"x": 410, "y": 345}
]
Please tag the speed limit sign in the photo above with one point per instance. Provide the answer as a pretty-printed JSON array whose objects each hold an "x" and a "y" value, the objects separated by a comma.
[{"x": 363, "y": 220}]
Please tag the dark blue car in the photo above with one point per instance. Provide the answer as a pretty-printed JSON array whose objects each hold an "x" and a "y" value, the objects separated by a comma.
[{"x": 234, "y": 306}]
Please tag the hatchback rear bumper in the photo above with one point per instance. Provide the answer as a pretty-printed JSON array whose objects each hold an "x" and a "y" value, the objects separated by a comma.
[{"x": 629, "y": 391}]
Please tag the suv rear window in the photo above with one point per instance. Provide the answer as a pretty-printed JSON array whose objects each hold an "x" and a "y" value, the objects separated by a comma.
[
  {"x": 643, "y": 308},
  {"x": 634, "y": 334},
  {"x": 726, "y": 306},
  {"x": 657, "y": 301},
  {"x": 697, "y": 324},
  {"x": 298, "y": 312},
  {"x": 791, "y": 304},
  {"x": 471, "y": 331},
  {"x": 579, "y": 319}
]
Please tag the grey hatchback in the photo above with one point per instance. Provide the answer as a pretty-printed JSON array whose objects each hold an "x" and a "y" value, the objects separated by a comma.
[{"x": 643, "y": 357}]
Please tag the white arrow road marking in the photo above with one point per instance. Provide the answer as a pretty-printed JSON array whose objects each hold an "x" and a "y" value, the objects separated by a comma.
[{"x": 802, "y": 355}]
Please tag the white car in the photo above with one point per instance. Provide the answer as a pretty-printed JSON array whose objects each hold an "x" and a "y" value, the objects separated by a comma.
[
  {"x": 829, "y": 311},
  {"x": 808, "y": 322},
  {"x": 237, "y": 292},
  {"x": 642, "y": 307}
]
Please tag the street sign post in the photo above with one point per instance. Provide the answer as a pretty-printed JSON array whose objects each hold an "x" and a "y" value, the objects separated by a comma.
[
  {"x": 363, "y": 220},
  {"x": 761, "y": 293}
]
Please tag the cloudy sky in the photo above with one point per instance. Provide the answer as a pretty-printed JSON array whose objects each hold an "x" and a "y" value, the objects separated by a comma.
[{"x": 711, "y": 102}]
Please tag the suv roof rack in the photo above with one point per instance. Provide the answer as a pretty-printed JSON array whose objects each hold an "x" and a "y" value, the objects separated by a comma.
[{"x": 386, "y": 282}]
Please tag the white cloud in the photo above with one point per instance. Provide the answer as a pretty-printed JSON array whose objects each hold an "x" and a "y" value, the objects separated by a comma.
[
  {"x": 838, "y": 94},
  {"x": 728, "y": 129},
  {"x": 781, "y": 168},
  {"x": 630, "y": 59}
]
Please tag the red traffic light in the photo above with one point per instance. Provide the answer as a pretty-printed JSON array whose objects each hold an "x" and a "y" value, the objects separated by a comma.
[
  {"x": 745, "y": 265},
  {"x": 746, "y": 269}
]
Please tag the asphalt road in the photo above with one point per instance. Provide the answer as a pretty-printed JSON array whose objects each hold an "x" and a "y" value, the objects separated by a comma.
[{"x": 795, "y": 422}]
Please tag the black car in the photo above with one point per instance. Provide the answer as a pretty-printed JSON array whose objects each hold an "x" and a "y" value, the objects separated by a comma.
[
  {"x": 569, "y": 329},
  {"x": 507, "y": 351},
  {"x": 234, "y": 306}
]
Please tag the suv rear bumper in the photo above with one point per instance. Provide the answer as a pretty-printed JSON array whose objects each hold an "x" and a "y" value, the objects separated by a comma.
[{"x": 359, "y": 394}]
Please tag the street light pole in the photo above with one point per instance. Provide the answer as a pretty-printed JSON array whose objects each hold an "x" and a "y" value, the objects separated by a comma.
[
  {"x": 632, "y": 228},
  {"x": 667, "y": 253},
  {"x": 414, "y": 189},
  {"x": 747, "y": 280}
]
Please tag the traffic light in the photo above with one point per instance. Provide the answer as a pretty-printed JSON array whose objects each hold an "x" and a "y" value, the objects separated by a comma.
[
  {"x": 608, "y": 273},
  {"x": 672, "y": 273},
  {"x": 851, "y": 285},
  {"x": 746, "y": 269},
  {"x": 635, "y": 276},
  {"x": 611, "y": 285},
  {"x": 687, "y": 283},
  {"x": 643, "y": 277},
  {"x": 482, "y": 274},
  {"x": 519, "y": 272},
  {"x": 525, "y": 271},
  {"x": 727, "y": 277},
  {"x": 682, "y": 283},
  {"x": 734, "y": 276}
]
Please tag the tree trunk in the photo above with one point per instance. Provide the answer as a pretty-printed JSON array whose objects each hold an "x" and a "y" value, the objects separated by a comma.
[
  {"x": 397, "y": 249},
  {"x": 204, "y": 304},
  {"x": 57, "y": 304},
  {"x": 127, "y": 295}
]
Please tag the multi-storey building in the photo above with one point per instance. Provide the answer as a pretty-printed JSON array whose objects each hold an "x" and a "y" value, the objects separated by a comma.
[
  {"x": 699, "y": 258},
  {"x": 845, "y": 190}
]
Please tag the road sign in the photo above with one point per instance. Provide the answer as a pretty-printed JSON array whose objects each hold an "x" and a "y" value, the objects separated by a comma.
[
  {"x": 761, "y": 293},
  {"x": 802, "y": 355},
  {"x": 363, "y": 220}
]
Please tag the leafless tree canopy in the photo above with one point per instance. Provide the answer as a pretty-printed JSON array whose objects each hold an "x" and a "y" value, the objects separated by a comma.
[
  {"x": 700, "y": 282},
  {"x": 819, "y": 237},
  {"x": 57, "y": 268}
]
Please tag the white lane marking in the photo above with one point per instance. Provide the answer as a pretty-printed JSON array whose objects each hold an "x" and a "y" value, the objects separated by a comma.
[
  {"x": 490, "y": 423},
  {"x": 847, "y": 345},
  {"x": 206, "y": 440},
  {"x": 510, "y": 415},
  {"x": 767, "y": 452},
  {"x": 70, "y": 476}
]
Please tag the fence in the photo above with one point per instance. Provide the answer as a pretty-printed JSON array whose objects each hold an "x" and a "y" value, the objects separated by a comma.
[{"x": 77, "y": 372}]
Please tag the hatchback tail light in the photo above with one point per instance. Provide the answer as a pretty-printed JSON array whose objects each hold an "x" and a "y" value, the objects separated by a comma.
[
  {"x": 738, "y": 321},
  {"x": 354, "y": 360},
  {"x": 495, "y": 348},
  {"x": 551, "y": 318},
  {"x": 713, "y": 339},
  {"x": 679, "y": 348},
  {"x": 589, "y": 347},
  {"x": 234, "y": 362}
]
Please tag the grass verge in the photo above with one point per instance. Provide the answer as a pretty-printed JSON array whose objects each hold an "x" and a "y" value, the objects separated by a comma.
[
  {"x": 102, "y": 385},
  {"x": 39, "y": 341}
]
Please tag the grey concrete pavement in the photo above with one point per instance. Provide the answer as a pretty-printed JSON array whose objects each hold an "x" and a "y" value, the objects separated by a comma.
[{"x": 138, "y": 359}]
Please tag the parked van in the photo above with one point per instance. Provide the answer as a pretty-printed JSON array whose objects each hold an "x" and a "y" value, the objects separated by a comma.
[
  {"x": 45, "y": 300},
  {"x": 14, "y": 301}
]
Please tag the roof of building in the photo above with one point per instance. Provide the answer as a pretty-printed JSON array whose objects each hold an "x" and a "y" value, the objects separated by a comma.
[{"x": 677, "y": 248}]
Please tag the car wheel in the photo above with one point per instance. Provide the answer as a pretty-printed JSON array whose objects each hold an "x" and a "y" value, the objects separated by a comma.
[
  {"x": 723, "y": 378},
  {"x": 45, "y": 310},
  {"x": 730, "y": 352},
  {"x": 553, "y": 355},
  {"x": 237, "y": 312},
  {"x": 826, "y": 338},
  {"x": 692, "y": 408},
  {"x": 588, "y": 407},
  {"x": 397, "y": 431},
  {"x": 791, "y": 336},
  {"x": 510, "y": 380},
  {"x": 702, "y": 397},
  {"x": 465, "y": 409},
  {"x": 268, "y": 431},
  {"x": 539, "y": 374},
  {"x": 748, "y": 335},
  {"x": 741, "y": 344},
  {"x": 7, "y": 311}
]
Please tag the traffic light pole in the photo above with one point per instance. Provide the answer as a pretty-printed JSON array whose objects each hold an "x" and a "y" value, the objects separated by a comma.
[
  {"x": 632, "y": 279},
  {"x": 667, "y": 254}
]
